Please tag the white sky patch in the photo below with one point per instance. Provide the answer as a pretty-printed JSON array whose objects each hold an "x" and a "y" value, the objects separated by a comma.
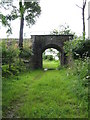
[
  {"x": 54, "y": 13},
  {"x": 89, "y": 19}
]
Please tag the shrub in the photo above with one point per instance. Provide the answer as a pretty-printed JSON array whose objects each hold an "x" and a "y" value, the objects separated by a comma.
[
  {"x": 81, "y": 81},
  {"x": 82, "y": 50},
  {"x": 78, "y": 48},
  {"x": 9, "y": 58},
  {"x": 9, "y": 53},
  {"x": 12, "y": 58},
  {"x": 5, "y": 71},
  {"x": 26, "y": 53},
  {"x": 48, "y": 57},
  {"x": 11, "y": 65}
]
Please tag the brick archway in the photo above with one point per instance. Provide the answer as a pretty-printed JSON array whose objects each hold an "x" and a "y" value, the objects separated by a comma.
[{"x": 42, "y": 42}]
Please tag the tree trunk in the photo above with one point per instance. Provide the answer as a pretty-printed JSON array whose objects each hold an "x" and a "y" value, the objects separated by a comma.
[
  {"x": 21, "y": 33},
  {"x": 83, "y": 24},
  {"x": 21, "y": 26},
  {"x": 83, "y": 11}
]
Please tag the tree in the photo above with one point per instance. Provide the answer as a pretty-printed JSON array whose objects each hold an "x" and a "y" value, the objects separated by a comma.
[
  {"x": 33, "y": 10},
  {"x": 4, "y": 18},
  {"x": 83, "y": 16},
  {"x": 64, "y": 29},
  {"x": 28, "y": 11}
]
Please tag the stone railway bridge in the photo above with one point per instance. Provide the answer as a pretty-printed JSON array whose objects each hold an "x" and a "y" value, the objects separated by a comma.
[{"x": 42, "y": 42}]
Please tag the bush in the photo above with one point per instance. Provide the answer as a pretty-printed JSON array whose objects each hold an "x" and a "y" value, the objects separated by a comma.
[
  {"x": 11, "y": 63},
  {"x": 48, "y": 57},
  {"x": 81, "y": 81},
  {"x": 26, "y": 53},
  {"x": 5, "y": 71},
  {"x": 78, "y": 48},
  {"x": 82, "y": 50},
  {"x": 9, "y": 53}
]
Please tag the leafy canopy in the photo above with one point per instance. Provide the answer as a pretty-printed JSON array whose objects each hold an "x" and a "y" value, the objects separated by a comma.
[
  {"x": 30, "y": 11},
  {"x": 63, "y": 29}
]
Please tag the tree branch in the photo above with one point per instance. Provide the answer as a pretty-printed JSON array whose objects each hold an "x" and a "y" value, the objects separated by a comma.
[
  {"x": 84, "y": 4},
  {"x": 79, "y": 6},
  {"x": 88, "y": 17}
]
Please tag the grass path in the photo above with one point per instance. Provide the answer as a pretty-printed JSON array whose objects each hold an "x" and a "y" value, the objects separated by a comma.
[
  {"x": 16, "y": 93},
  {"x": 40, "y": 94},
  {"x": 51, "y": 64}
]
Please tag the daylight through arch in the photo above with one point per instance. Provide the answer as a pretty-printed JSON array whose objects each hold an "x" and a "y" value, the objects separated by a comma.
[{"x": 51, "y": 59}]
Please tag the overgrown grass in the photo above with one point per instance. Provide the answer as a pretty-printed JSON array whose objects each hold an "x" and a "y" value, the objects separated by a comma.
[
  {"x": 51, "y": 64},
  {"x": 45, "y": 94}
]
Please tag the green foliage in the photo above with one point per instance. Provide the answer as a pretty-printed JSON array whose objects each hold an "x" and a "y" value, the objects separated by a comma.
[
  {"x": 26, "y": 53},
  {"x": 81, "y": 70},
  {"x": 12, "y": 63},
  {"x": 5, "y": 71},
  {"x": 9, "y": 52},
  {"x": 48, "y": 57},
  {"x": 4, "y": 21},
  {"x": 83, "y": 50},
  {"x": 77, "y": 47},
  {"x": 31, "y": 10},
  {"x": 64, "y": 29},
  {"x": 3, "y": 18},
  {"x": 9, "y": 58},
  {"x": 13, "y": 70}
]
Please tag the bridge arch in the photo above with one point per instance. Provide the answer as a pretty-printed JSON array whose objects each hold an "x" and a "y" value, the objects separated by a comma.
[{"x": 43, "y": 42}]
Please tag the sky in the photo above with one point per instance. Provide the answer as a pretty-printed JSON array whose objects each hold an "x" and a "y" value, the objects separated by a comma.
[{"x": 53, "y": 14}]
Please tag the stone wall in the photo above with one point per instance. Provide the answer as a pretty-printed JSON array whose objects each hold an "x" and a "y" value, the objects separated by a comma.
[
  {"x": 10, "y": 40},
  {"x": 43, "y": 42}
]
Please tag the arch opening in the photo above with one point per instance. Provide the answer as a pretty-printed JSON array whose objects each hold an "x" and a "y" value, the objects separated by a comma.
[
  {"x": 51, "y": 58},
  {"x": 42, "y": 42}
]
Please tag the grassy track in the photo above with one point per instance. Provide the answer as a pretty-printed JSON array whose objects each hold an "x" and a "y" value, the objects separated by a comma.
[
  {"x": 40, "y": 94},
  {"x": 51, "y": 64}
]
